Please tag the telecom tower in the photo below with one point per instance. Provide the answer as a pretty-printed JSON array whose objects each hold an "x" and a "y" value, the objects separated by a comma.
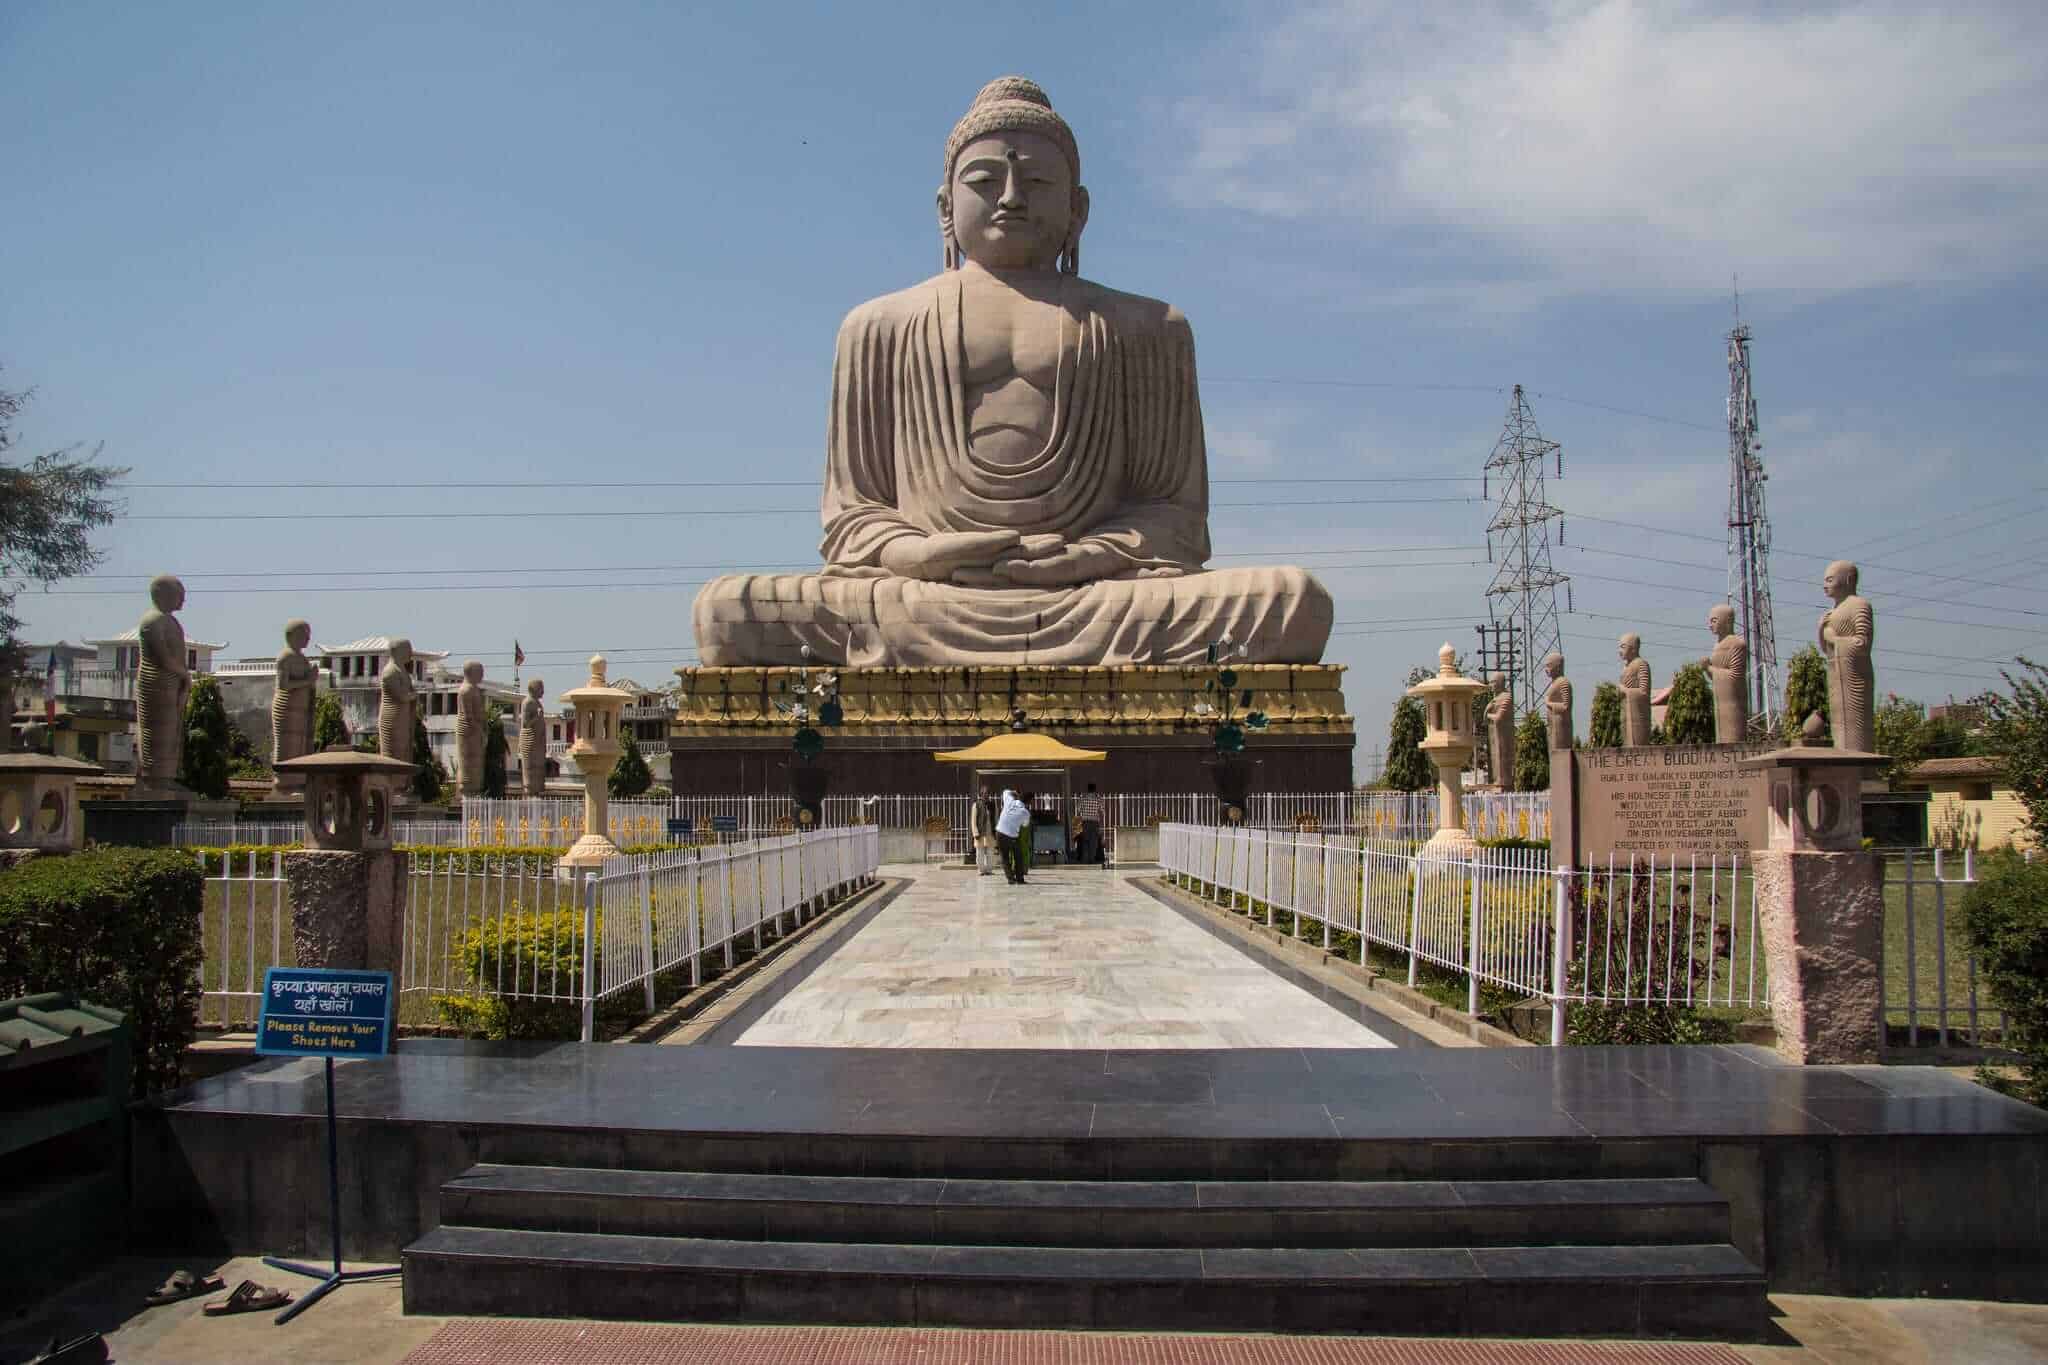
[
  {"x": 1521, "y": 602},
  {"x": 1749, "y": 533}
]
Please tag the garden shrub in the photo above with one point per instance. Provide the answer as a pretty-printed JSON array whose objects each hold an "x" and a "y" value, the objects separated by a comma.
[
  {"x": 116, "y": 926},
  {"x": 1626, "y": 940},
  {"x": 2005, "y": 917},
  {"x": 521, "y": 949}
]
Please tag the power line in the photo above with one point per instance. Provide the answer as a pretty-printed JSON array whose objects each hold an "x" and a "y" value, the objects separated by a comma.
[
  {"x": 580, "y": 485},
  {"x": 555, "y": 514}
]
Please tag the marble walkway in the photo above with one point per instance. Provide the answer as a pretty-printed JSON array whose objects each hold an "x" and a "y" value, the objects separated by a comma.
[{"x": 1075, "y": 958}]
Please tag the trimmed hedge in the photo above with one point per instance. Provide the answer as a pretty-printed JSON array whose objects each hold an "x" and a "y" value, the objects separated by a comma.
[
  {"x": 119, "y": 927},
  {"x": 2005, "y": 915}
]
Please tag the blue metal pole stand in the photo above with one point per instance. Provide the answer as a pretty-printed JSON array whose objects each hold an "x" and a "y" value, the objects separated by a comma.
[{"x": 329, "y": 1279}]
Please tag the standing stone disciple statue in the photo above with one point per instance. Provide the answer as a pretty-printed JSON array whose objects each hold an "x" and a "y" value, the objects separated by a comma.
[
  {"x": 1557, "y": 703},
  {"x": 395, "y": 704},
  {"x": 1846, "y": 636},
  {"x": 291, "y": 705},
  {"x": 533, "y": 741},
  {"x": 1635, "y": 691},
  {"x": 1728, "y": 668},
  {"x": 1500, "y": 732},
  {"x": 469, "y": 728},
  {"x": 1015, "y": 468},
  {"x": 163, "y": 680}
]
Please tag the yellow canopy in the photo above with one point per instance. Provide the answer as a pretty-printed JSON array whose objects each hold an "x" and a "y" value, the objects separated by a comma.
[{"x": 1010, "y": 749}]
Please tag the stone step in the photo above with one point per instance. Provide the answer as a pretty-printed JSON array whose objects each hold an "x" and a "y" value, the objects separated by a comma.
[
  {"x": 1680, "y": 1290},
  {"x": 1304, "y": 1213}
]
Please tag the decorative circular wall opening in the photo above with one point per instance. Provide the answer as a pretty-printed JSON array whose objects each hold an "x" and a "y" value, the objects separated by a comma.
[
  {"x": 50, "y": 813},
  {"x": 377, "y": 812},
  {"x": 327, "y": 815},
  {"x": 10, "y": 812}
]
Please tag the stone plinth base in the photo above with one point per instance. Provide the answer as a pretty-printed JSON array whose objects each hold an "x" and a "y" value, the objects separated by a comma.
[
  {"x": 588, "y": 854},
  {"x": 348, "y": 908},
  {"x": 1821, "y": 916},
  {"x": 1450, "y": 844},
  {"x": 728, "y": 737}
]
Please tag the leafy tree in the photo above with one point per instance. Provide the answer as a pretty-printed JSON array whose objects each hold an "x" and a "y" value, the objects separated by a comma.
[
  {"x": 630, "y": 775},
  {"x": 1605, "y": 727},
  {"x": 1900, "y": 728},
  {"x": 329, "y": 728},
  {"x": 1689, "y": 709},
  {"x": 1532, "y": 754},
  {"x": 48, "y": 510},
  {"x": 494, "y": 751},
  {"x": 2005, "y": 915},
  {"x": 2016, "y": 728},
  {"x": 243, "y": 760},
  {"x": 428, "y": 776},
  {"x": 1806, "y": 690},
  {"x": 1948, "y": 736},
  {"x": 1407, "y": 770},
  {"x": 204, "y": 767}
]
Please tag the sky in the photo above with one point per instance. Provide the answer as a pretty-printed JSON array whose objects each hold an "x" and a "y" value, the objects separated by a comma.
[{"x": 543, "y": 297}]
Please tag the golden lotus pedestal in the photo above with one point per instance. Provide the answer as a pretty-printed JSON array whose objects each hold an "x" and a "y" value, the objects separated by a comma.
[{"x": 730, "y": 738}]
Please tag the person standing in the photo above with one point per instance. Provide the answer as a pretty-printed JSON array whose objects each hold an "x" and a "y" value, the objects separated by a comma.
[
  {"x": 1014, "y": 819},
  {"x": 981, "y": 829},
  {"x": 1089, "y": 811}
]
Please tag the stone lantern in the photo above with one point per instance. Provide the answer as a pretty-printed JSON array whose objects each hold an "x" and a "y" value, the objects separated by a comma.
[
  {"x": 1820, "y": 904},
  {"x": 350, "y": 797},
  {"x": 39, "y": 802},
  {"x": 347, "y": 890},
  {"x": 1447, "y": 711},
  {"x": 596, "y": 751}
]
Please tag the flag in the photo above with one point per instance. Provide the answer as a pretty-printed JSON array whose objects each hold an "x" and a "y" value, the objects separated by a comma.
[
  {"x": 518, "y": 654},
  {"x": 50, "y": 691}
]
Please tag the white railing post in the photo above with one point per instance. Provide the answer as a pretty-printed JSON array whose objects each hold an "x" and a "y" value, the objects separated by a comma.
[
  {"x": 589, "y": 973},
  {"x": 647, "y": 930},
  {"x": 1326, "y": 893},
  {"x": 1472, "y": 950},
  {"x": 1560, "y": 951},
  {"x": 1414, "y": 915}
]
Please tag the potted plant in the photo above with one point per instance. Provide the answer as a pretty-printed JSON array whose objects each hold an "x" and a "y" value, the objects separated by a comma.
[{"x": 1230, "y": 770}]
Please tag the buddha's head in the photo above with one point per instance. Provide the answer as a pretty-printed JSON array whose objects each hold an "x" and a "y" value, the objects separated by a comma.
[
  {"x": 298, "y": 634},
  {"x": 536, "y": 689},
  {"x": 401, "y": 653},
  {"x": 1839, "y": 581},
  {"x": 166, "y": 592},
  {"x": 473, "y": 671},
  {"x": 1553, "y": 665},
  {"x": 1012, "y": 198},
  {"x": 1721, "y": 620},
  {"x": 1499, "y": 683},
  {"x": 1630, "y": 645}
]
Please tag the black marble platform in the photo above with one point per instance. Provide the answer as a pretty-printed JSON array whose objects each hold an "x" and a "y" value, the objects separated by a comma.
[{"x": 1839, "y": 1179}]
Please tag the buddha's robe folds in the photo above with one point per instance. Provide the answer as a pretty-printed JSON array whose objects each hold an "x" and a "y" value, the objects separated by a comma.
[{"x": 1123, "y": 469}]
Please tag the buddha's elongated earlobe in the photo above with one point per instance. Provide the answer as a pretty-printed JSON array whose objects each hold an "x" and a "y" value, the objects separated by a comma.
[
  {"x": 1069, "y": 262},
  {"x": 949, "y": 248}
]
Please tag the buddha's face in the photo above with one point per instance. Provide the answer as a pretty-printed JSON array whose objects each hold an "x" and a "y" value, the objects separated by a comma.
[
  {"x": 1839, "y": 581},
  {"x": 299, "y": 635},
  {"x": 1721, "y": 621},
  {"x": 1014, "y": 201}
]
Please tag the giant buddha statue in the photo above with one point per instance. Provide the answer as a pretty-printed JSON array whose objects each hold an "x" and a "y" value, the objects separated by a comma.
[{"x": 1015, "y": 470}]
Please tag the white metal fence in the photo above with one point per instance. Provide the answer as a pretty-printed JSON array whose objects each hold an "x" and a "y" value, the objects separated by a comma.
[
  {"x": 1663, "y": 930},
  {"x": 501, "y": 928},
  {"x": 485, "y": 926}
]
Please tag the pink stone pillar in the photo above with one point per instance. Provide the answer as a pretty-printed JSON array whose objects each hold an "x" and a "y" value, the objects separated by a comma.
[{"x": 1820, "y": 907}]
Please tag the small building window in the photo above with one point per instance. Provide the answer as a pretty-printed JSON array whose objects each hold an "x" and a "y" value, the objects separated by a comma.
[{"x": 1975, "y": 791}]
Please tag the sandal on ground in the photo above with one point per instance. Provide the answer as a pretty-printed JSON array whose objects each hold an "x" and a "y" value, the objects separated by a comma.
[
  {"x": 182, "y": 1284},
  {"x": 248, "y": 1297}
]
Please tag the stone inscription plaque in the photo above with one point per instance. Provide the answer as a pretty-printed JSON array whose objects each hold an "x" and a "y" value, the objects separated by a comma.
[{"x": 1666, "y": 799}]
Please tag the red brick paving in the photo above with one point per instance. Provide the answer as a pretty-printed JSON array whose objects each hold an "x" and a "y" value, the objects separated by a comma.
[{"x": 531, "y": 1342}]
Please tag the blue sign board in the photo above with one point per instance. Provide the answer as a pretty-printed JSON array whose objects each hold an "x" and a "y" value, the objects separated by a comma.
[
  {"x": 312, "y": 1012},
  {"x": 725, "y": 824},
  {"x": 680, "y": 825}
]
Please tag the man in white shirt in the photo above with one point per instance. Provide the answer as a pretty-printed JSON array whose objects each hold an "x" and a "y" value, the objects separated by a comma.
[{"x": 1014, "y": 820}]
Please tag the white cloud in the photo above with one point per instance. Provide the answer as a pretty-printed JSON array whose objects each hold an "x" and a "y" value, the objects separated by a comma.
[{"x": 1606, "y": 144}]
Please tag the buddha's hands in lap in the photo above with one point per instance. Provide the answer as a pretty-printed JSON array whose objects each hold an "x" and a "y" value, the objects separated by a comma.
[
  {"x": 1063, "y": 568},
  {"x": 938, "y": 558}
]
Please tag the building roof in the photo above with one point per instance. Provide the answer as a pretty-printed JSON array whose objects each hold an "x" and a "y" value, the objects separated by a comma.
[
  {"x": 133, "y": 635},
  {"x": 1977, "y": 765},
  {"x": 379, "y": 644}
]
